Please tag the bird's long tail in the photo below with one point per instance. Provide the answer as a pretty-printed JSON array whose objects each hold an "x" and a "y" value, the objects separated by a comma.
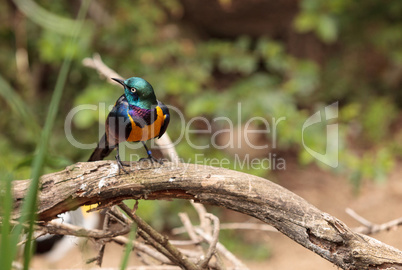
[{"x": 102, "y": 150}]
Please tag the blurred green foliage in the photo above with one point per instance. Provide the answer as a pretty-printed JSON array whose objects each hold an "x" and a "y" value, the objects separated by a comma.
[{"x": 205, "y": 77}]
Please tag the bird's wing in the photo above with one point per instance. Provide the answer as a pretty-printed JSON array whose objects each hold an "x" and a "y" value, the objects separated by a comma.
[
  {"x": 110, "y": 139},
  {"x": 118, "y": 125},
  {"x": 166, "y": 119}
]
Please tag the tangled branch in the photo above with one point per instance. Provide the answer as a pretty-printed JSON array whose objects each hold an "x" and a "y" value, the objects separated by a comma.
[{"x": 161, "y": 249}]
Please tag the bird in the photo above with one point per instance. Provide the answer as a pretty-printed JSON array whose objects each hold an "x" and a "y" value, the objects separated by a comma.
[{"x": 137, "y": 116}]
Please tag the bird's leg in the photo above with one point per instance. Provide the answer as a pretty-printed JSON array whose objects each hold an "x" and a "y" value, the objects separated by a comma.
[
  {"x": 121, "y": 166},
  {"x": 150, "y": 156}
]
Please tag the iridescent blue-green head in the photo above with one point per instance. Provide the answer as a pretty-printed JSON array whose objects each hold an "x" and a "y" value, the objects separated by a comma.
[{"x": 138, "y": 92}]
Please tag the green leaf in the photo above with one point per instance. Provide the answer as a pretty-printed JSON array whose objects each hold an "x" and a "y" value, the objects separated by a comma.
[
  {"x": 305, "y": 22},
  {"x": 327, "y": 28}
]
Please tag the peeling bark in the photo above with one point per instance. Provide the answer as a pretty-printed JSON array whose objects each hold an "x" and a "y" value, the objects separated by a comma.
[{"x": 99, "y": 182}]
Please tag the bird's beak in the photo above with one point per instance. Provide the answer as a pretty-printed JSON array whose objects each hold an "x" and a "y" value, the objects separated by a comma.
[{"x": 119, "y": 81}]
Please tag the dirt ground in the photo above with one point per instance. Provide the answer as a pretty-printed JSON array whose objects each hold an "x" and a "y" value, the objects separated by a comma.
[{"x": 378, "y": 203}]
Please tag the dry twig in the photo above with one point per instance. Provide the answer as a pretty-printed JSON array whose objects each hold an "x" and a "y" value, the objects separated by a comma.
[
  {"x": 205, "y": 223},
  {"x": 248, "y": 226},
  {"x": 371, "y": 228},
  {"x": 143, "y": 249},
  {"x": 160, "y": 239},
  {"x": 233, "y": 226},
  {"x": 202, "y": 212},
  {"x": 99, "y": 257},
  {"x": 215, "y": 236},
  {"x": 188, "y": 227},
  {"x": 68, "y": 229},
  {"x": 53, "y": 227}
]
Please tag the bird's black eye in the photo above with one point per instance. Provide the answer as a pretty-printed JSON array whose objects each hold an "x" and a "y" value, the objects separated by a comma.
[{"x": 133, "y": 90}]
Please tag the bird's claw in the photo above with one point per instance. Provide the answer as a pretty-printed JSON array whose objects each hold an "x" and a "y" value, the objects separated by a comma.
[
  {"x": 121, "y": 166},
  {"x": 152, "y": 159}
]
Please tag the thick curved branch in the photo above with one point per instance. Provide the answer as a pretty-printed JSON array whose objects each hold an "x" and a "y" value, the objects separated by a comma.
[{"x": 99, "y": 182}]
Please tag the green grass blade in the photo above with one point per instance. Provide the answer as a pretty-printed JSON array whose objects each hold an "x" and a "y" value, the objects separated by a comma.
[
  {"x": 5, "y": 211},
  {"x": 45, "y": 18},
  {"x": 128, "y": 249},
  {"x": 30, "y": 203}
]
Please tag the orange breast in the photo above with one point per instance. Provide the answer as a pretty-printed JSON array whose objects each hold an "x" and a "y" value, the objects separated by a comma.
[{"x": 147, "y": 132}]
